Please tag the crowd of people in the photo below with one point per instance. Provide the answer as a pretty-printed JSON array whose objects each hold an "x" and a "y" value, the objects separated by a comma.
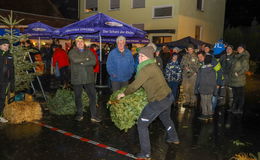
[{"x": 210, "y": 76}]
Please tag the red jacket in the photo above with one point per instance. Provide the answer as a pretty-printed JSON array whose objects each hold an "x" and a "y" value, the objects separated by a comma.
[
  {"x": 60, "y": 57},
  {"x": 96, "y": 67}
]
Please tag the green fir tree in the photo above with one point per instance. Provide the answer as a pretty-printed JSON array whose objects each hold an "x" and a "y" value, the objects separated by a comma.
[{"x": 23, "y": 67}]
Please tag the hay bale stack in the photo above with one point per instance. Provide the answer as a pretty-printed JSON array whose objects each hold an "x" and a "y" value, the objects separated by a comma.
[{"x": 23, "y": 111}]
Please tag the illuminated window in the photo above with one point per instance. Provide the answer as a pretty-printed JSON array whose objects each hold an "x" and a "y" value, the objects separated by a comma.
[
  {"x": 161, "y": 39},
  {"x": 138, "y": 3},
  {"x": 162, "y": 12},
  {"x": 200, "y": 5},
  {"x": 114, "y": 4},
  {"x": 198, "y": 32},
  {"x": 91, "y": 5}
]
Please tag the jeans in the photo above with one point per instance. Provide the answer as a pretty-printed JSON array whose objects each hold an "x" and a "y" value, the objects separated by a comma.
[
  {"x": 206, "y": 104},
  {"x": 91, "y": 92},
  {"x": 238, "y": 98},
  {"x": 118, "y": 85},
  {"x": 188, "y": 89},
  {"x": 215, "y": 100},
  {"x": 175, "y": 87},
  {"x": 64, "y": 75},
  {"x": 2, "y": 96},
  {"x": 151, "y": 111}
]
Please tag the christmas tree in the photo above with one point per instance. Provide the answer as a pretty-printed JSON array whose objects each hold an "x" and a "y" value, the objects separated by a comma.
[{"x": 23, "y": 67}]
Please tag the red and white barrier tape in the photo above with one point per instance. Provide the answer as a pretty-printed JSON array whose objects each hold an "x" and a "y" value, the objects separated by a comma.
[{"x": 86, "y": 140}]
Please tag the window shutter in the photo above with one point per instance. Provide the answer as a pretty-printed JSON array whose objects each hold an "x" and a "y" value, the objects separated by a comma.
[
  {"x": 200, "y": 4},
  {"x": 138, "y": 3},
  {"x": 114, "y": 4},
  {"x": 163, "y": 12}
]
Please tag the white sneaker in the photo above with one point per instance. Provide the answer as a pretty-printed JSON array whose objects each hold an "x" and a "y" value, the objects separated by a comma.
[{"x": 3, "y": 120}]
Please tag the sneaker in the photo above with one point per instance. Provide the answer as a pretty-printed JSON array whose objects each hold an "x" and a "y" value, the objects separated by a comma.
[
  {"x": 186, "y": 104},
  {"x": 230, "y": 110},
  {"x": 237, "y": 112},
  {"x": 172, "y": 141},
  {"x": 203, "y": 117},
  {"x": 3, "y": 120},
  {"x": 143, "y": 156},
  {"x": 95, "y": 120},
  {"x": 79, "y": 118},
  {"x": 210, "y": 117}
]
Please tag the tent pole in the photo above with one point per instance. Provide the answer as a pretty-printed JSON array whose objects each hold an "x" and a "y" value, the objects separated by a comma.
[
  {"x": 39, "y": 43},
  {"x": 101, "y": 62}
]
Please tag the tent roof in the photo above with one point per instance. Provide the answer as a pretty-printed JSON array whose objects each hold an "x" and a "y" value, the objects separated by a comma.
[
  {"x": 103, "y": 24},
  {"x": 185, "y": 42}
]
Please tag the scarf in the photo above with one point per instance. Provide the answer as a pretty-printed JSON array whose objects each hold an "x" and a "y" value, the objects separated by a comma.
[{"x": 143, "y": 64}]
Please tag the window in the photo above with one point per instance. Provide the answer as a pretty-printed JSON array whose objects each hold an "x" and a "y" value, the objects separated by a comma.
[
  {"x": 114, "y": 4},
  {"x": 198, "y": 32},
  {"x": 138, "y": 3},
  {"x": 91, "y": 5},
  {"x": 161, "y": 39},
  {"x": 200, "y": 5},
  {"x": 139, "y": 26},
  {"x": 162, "y": 12}
]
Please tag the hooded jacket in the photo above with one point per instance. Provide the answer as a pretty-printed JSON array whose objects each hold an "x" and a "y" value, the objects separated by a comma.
[
  {"x": 240, "y": 65},
  {"x": 6, "y": 68},
  {"x": 206, "y": 80}
]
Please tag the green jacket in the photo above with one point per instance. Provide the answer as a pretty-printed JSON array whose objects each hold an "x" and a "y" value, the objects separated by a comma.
[
  {"x": 190, "y": 64},
  {"x": 82, "y": 64},
  {"x": 240, "y": 65},
  {"x": 151, "y": 78}
]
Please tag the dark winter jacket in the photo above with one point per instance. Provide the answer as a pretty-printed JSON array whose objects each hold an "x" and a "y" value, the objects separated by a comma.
[
  {"x": 82, "y": 63},
  {"x": 206, "y": 80},
  {"x": 226, "y": 64},
  {"x": 240, "y": 65},
  {"x": 166, "y": 57},
  {"x": 159, "y": 62},
  {"x": 120, "y": 66},
  {"x": 6, "y": 68}
]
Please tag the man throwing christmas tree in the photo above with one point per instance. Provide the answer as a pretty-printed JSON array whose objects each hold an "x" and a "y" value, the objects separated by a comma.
[{"x": 150, "y": 77}]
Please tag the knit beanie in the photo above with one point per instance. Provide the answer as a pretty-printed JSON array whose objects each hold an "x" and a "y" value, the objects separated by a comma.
[
  {"x": 147, "y": 51},
  {"x": 4, "y": 41}
]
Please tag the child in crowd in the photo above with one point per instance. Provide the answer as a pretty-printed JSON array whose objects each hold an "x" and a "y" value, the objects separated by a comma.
[{"x": 173, "y": 75}]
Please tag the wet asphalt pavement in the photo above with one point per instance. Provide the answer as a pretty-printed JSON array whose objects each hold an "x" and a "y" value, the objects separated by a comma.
[{"x": 219, "y": 139}]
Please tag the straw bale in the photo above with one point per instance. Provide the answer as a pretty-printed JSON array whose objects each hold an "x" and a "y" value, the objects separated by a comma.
[{"x": 22, "y": 111}]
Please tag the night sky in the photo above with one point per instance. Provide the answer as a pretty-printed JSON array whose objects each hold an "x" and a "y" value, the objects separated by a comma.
[{"x": 241, "y": 12}]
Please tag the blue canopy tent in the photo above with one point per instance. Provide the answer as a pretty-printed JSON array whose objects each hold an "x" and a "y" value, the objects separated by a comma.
[
  {"x": 98, "y": 26},
  {"x": 101, "y": 26},
  {"x": 39, "y": 30}
]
